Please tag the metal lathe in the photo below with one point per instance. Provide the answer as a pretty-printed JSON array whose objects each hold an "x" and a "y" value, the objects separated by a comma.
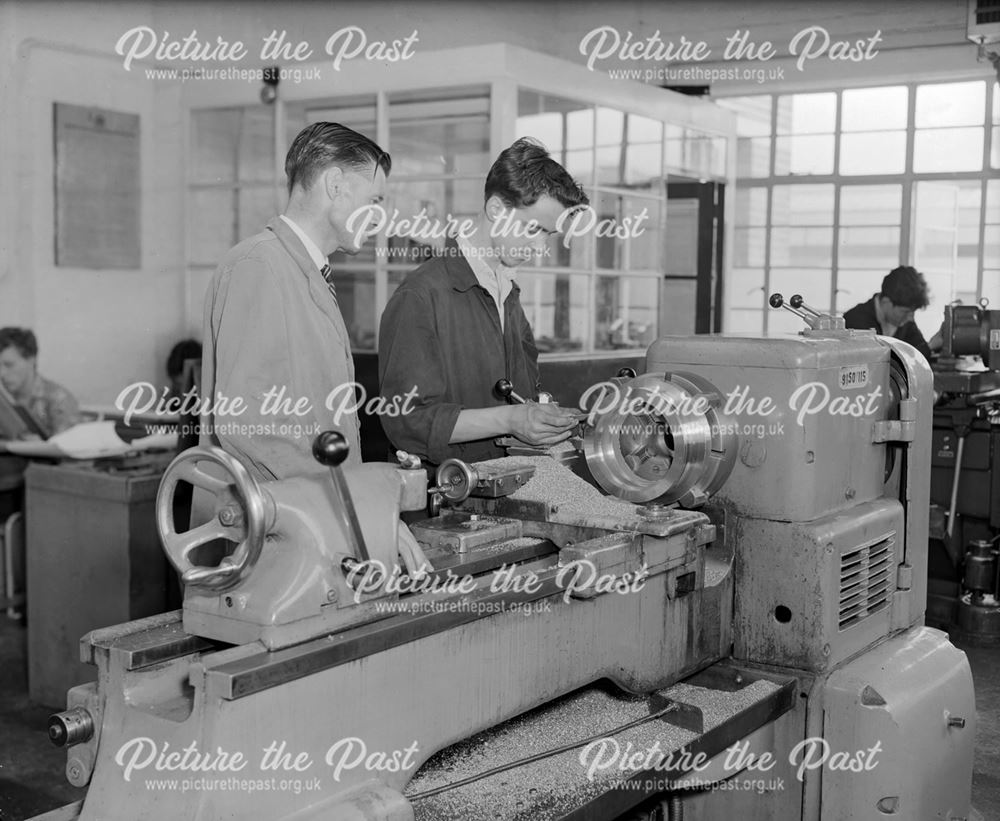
[{"x": 708, "y": 605}]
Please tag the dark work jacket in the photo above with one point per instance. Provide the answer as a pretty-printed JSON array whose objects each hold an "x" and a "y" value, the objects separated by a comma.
[
  {"x": 440, "y": 334},
  {"x": 862, "y": 317}
]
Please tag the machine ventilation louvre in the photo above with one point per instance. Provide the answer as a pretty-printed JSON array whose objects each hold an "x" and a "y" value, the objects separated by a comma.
[
  {"x": 984, "y": 21},
  {"x": 987, "y": 11},
  {"x": 865, "y": 580}
]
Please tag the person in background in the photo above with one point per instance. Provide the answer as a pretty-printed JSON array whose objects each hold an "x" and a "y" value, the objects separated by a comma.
[
  {"x": 51, "y": 406},
  {"x": 455, "y": 325},
  {"x": 181, "y": 383},
  {"x": 181, "y": 352},
  {"x": 273, "y": 330},
  {"x": 890, "y": 311}
]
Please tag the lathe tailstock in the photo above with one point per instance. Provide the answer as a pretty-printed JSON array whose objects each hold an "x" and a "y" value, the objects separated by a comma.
[{"x": 742, "y": 605}]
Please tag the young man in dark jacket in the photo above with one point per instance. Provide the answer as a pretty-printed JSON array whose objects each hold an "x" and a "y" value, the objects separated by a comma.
[
  {"x": 455, "y": 325},
  {"x": 890, "y": 311}
]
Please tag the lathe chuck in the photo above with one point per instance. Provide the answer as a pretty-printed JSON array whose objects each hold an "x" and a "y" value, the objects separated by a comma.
[{"x": 660, "y": 436}]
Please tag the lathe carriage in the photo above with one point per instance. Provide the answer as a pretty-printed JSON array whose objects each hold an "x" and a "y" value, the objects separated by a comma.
[{"x": 711, "y": 605}]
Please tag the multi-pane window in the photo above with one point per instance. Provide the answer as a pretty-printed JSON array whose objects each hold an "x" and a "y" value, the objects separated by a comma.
[
  {"x": 873, "y": 130},
  {"x": 441, "y": 142},
  {"x": 991, "y": 243},
  {"x": 753, "y": 127},
  {"x": 804, "y": 134},
  {"x": 949, "y": 127},
  {"x": 749, "y": 258},
  {"x": 600, "y": 289},
  {"x": 801, "y": 244},
  {"x": 230, "y": 180},
  {"x": 834, "y": 189},
  {"x": 869, "y": 219},
  {"x": 603, "y": 290}
]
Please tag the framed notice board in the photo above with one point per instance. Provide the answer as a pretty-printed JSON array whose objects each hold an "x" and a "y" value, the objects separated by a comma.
[{"x": 97, "y": 194}]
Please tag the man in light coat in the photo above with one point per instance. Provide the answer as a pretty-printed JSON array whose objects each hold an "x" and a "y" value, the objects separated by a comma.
[{"x": 276, "y": 345}]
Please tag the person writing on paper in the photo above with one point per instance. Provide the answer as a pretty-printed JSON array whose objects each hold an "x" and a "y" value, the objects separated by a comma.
[
  {"x": 50, "y": 405},
  {"x": 455, "y": 325}
]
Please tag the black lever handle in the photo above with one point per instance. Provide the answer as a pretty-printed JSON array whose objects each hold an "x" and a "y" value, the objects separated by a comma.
[
  {"x": 330, "y": 448},
  {"x": 505, "y": 390}
]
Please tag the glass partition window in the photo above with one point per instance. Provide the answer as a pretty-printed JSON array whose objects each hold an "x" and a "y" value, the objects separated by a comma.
[
  {"x": 357, "y": 112},
  {"x": 600, "y": 289},
  {"x": 693, "y": 153},
  {"x": 753, "y": 129},
  {"x": 643, "y": 145},
  {"x": 901, "y": 180},
  {"x": 439, "y": 141},
  {"x": 603, "y": 289},
  {"x": 230, "y": 180},
  {"x": 354, "y": 276},
  {"x": 557, "y": 306},
  {"x": 804, "y": 128}
]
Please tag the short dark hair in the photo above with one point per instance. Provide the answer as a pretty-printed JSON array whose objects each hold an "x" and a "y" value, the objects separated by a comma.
[
  {"x": 525, "y": 171},
  {"x": 906, "y": 287},
  {"x": 181, "y": 352},
  {"x": 21, "y": 338},
  {"x": 321, "y": 145}
]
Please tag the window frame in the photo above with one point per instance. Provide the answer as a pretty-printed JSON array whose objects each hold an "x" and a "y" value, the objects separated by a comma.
[{"x": 907, "y": 179}]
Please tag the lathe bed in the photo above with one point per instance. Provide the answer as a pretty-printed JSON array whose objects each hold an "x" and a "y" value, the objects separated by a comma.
[{"x": 733, "y": 703}]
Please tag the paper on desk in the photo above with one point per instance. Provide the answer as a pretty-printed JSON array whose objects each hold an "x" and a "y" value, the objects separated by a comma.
[{"x": 90, "y": 440}]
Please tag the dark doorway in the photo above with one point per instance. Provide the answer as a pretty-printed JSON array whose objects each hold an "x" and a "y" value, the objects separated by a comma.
[{"x": 692, "y": 283}]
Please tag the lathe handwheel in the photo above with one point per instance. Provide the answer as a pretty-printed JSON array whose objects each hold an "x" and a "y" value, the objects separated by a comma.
[
  {"x": 248, "y": 526},
  {"x": 455, "y": 480}
]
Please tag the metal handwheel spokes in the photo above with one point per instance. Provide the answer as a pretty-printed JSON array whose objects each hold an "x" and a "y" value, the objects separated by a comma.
[{"x": 245, "y": 521}]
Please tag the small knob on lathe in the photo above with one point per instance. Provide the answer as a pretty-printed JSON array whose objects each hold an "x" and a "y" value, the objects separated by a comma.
[
  {"x": 626, "y": 373},
  {"x": 799, "y": 303},
  {"x": 505, "y": 390},
  {"x": 776, "y": 301},
  {"x": 330, "y": 448}
]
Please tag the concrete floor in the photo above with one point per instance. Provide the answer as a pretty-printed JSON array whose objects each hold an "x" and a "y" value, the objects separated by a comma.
[
  {"x": 985, "y": 663},
  {"x": 31, "y": 769}
]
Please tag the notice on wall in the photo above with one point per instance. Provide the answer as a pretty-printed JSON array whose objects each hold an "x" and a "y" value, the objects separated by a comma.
[{"x": 97, "y": 200}]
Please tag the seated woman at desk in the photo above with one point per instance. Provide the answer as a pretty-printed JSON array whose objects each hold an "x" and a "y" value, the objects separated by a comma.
[{"x": 49, "y": 404}]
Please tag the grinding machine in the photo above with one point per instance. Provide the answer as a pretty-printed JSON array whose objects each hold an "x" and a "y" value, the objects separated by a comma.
[{"x": 709, "y": 604}]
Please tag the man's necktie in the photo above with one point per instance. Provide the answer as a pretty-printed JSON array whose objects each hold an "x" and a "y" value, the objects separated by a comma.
[{"x": 327, "y": 273}]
